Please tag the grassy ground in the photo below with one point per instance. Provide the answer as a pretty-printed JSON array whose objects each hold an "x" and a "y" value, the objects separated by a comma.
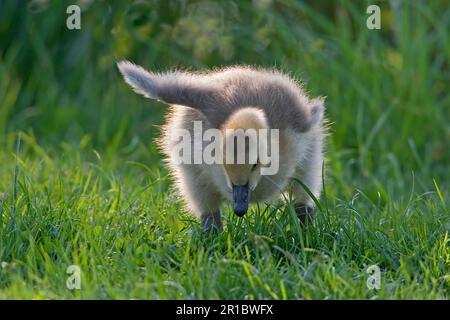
[{"x": 88, "y": 187}]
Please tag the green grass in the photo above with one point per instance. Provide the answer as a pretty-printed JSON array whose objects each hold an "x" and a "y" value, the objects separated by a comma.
[{"x": 88, "y": 187}]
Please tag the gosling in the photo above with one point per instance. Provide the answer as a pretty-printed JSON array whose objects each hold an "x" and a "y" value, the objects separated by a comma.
[{"x": 230, "y": 101}]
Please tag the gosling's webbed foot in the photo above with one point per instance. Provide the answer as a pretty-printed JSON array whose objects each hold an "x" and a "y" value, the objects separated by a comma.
[{"x": 305, "y": 213}]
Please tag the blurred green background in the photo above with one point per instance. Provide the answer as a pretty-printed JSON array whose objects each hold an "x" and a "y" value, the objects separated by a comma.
[
  {"x": 91, "y": 186},
  {"x": 387, "y": 90}
]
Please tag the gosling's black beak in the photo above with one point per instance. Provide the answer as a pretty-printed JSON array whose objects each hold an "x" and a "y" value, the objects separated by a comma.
[{"x": 240, "y": 199}]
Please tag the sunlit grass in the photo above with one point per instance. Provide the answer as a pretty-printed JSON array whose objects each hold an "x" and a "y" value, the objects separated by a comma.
[{"x": 132, "y": 239}]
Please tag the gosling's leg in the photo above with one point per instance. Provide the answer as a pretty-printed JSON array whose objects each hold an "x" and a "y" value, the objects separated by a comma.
[
  {"x": 211, "y": 222},
  {"x": 309, "y": 171}
]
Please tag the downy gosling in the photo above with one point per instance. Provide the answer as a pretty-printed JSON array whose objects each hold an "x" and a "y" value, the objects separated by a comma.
[{"x": 285, "y": 140}]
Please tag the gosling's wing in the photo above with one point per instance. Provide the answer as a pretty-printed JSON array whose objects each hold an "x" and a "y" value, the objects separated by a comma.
[
  {"x": 171, "y": 87},
  {"x": 217, "y": 94},
  {"x": 142, "y": 81}
]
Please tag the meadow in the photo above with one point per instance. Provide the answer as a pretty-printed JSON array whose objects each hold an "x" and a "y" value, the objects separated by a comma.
[{"x": 82, "y": 182}]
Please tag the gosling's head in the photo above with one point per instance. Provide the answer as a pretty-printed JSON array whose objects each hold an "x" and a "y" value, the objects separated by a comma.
[{"x": 242, "y": 166}]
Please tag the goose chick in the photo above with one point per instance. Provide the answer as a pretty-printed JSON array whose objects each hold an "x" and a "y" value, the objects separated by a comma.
[{"x": 228, "y": 104}]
